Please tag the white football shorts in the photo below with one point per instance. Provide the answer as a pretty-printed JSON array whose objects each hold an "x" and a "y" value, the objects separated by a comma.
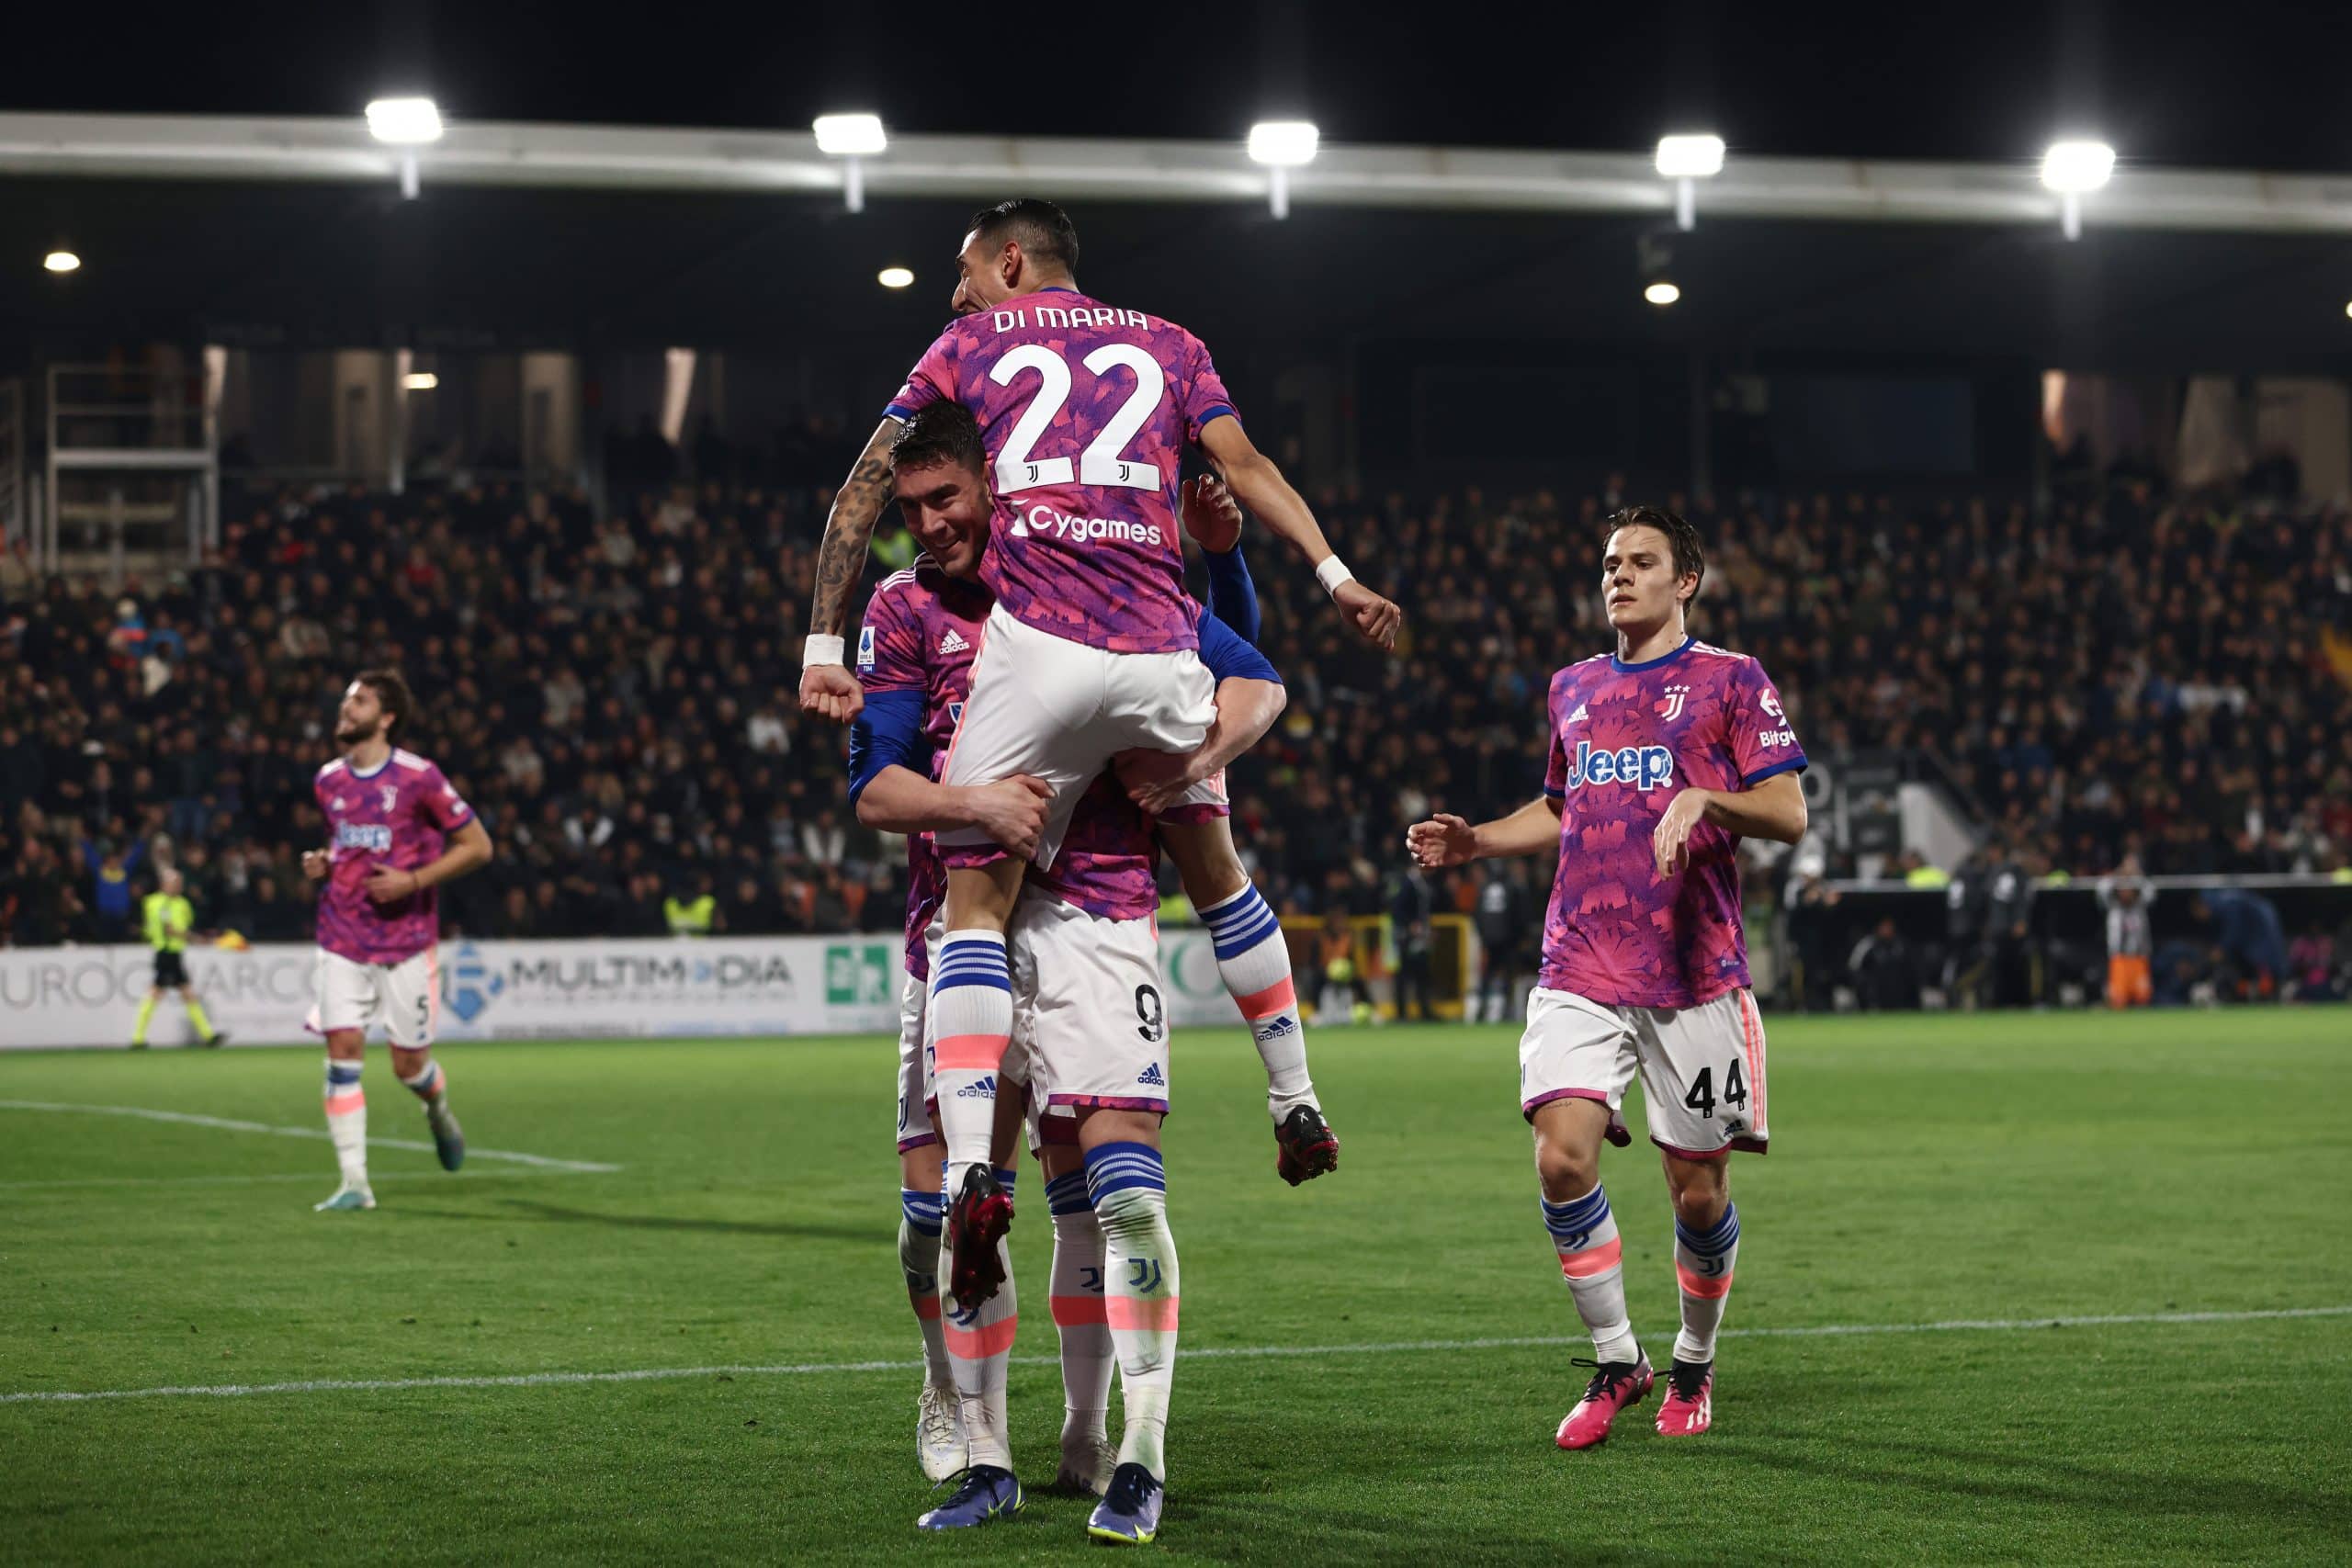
[
  {"x": 1701, "y": 1067},
  {"x": 915, "y": 1091},
  {"x": 404, "y": 997},
  {"x": 1089, "y": 1015},
  {"x": 1060, "y": 711}
]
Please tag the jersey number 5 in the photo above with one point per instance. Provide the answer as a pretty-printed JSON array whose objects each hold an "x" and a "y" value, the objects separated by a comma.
[{"x": 1100, "y": 464}]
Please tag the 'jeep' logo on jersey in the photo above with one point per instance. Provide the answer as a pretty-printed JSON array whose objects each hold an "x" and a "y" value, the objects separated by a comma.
[
  {"x": 373, "y": 836},
  {"x": 1644, "y": 767}
]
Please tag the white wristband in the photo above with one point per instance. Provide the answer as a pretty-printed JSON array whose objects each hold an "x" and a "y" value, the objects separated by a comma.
[
  {"x": 820, "y": 649},
  {"x": 1333, "y": 572}
]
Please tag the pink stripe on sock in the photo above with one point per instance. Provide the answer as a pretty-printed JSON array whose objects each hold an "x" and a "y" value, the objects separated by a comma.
[
  {"x": 1072, "y": 1310},
  {"x": 1701, "y": 1285},
  {"x": 980, "y": 1344},
  {"x": 1152, "y": 1313},
  {"x": 970, "y": 1053},
  {"x": 1270, "y": 1001},
  {"x": 1593, "y": 1259},
  {"x": 339, "y": 1104}
]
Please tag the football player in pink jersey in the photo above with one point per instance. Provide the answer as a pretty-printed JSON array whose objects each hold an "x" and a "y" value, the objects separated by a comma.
[
  {"x": 397, "y": 829},
  {"x": 1665, "y": 754},
  {"x": 1091, "y": 648},
  {"x": 1091, "y": 955}
]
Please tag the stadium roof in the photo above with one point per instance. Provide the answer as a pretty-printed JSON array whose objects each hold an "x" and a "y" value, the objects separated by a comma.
[
  {"x": 976, "y": 167},
  {"x": 293, "y": 231}
]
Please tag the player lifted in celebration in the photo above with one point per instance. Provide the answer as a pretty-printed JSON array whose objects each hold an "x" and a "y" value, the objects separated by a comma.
[
  {"x": 388, "y": 813},
  {"x": 915, "y": 654},
  {"x": 1665, "y": 754},
  {"x": 1091, "y": 648}
]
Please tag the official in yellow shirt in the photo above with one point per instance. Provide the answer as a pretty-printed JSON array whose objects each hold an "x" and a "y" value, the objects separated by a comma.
[{"x": 166, "y": 916}]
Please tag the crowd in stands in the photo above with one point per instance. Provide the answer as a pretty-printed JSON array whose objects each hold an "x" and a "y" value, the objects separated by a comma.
[{"x": 2167, "y": 679}]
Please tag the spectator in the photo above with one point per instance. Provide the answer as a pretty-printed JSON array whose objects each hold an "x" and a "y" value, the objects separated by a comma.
[
  {"x": 110, "y": 871},
  {"x": 1341, "y": 999},
  {"x": 1885, "y": 976},
  {"x": 2123, "y": 672},
  {"x": 1410, "y": 910},
  {"x": 2246, "y": 930}
]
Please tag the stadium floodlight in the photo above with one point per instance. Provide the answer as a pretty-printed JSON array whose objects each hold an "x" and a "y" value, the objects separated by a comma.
[
  {"x": 404, "y": 122},
  {"x": 894, "y": 277},
  {"x": 850, "y": 135},
  {"x": 2077, "y": 165},
  {"x": 419, "y": 381},
  {"x": 850, "y": 138},
  {"x": 1689, "y": 157},
  {"x": 62, "y": 261},
  {"x": 407, "y": 124},
  {"x": 1282, "y": 145},
  {"x": 1686, "y": 160},
  {"x": 2072, "y": 168},
  {"x": 1661, "y": 293}
]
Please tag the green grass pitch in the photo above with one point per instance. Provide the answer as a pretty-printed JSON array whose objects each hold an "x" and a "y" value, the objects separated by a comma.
[{"x": 1924, "y": 1170}]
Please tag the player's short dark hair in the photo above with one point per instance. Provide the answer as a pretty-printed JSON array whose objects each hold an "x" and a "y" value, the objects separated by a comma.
[
  {"x": 392, "y": 693},
  {"x": 1690, "y": 557},
  {"x": 1043, "y": 231},
  {"x": 941, "y": 432}
]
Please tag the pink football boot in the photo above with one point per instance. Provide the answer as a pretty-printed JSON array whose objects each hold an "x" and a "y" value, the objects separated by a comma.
[{"x": 1615, "y": 1385}]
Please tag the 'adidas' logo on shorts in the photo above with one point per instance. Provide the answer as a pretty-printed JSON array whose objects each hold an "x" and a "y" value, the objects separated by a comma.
[
  {"x": 953, "y": 642},
  {"x": 984, "y": 1090},
  {"x": 1151, "y": 1076}
]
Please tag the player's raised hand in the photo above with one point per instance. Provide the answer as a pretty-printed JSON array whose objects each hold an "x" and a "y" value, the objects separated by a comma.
[
  {"x": 1374, "y": 617},
  {"x": 831, "y": 692},
  {"x": 1013, "y": 812},
  {"x": 1211, "y": 514},
  {"x": 1671, "y": 841},
  {"x": 1442, "y": 840},
  {"x": 315, "y": 864}
]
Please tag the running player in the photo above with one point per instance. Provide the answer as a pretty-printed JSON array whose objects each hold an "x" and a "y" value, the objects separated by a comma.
[
  {"x": 390, "y": 812},
  {"x": 1665, "y": 754},
  {"x": 167, "y": 917},
  {"x": 1084, "y": 409}
]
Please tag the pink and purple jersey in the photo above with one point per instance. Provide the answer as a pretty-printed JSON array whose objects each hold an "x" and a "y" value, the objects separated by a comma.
[
  {"x": 1626, "y": 739},
  {"x": 1109, "y": 861},
  {"x": 396, "y": 815},
  {"x": 921, "y": 632},
  {"x": 1086, "y": 409}
]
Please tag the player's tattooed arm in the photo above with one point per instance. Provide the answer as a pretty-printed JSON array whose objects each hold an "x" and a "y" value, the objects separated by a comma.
[
  {"x": 840, "y": 557},
  {"x": 830, "y": 690}
]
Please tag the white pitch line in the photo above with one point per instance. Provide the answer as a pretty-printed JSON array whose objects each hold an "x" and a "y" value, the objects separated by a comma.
[
  {"x": 68, "y": 1182},
  {"x": 185, "y": 1119},
  {"x": 1230, "y": 1352}
]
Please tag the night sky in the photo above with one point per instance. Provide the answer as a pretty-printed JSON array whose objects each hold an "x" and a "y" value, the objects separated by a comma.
[{"x": 2212, "y": 85}]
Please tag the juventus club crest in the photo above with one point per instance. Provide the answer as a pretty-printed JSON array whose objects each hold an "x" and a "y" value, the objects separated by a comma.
[
  {"x": 1669, "y": 707},
  {"x": 391, "y": 792}
]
